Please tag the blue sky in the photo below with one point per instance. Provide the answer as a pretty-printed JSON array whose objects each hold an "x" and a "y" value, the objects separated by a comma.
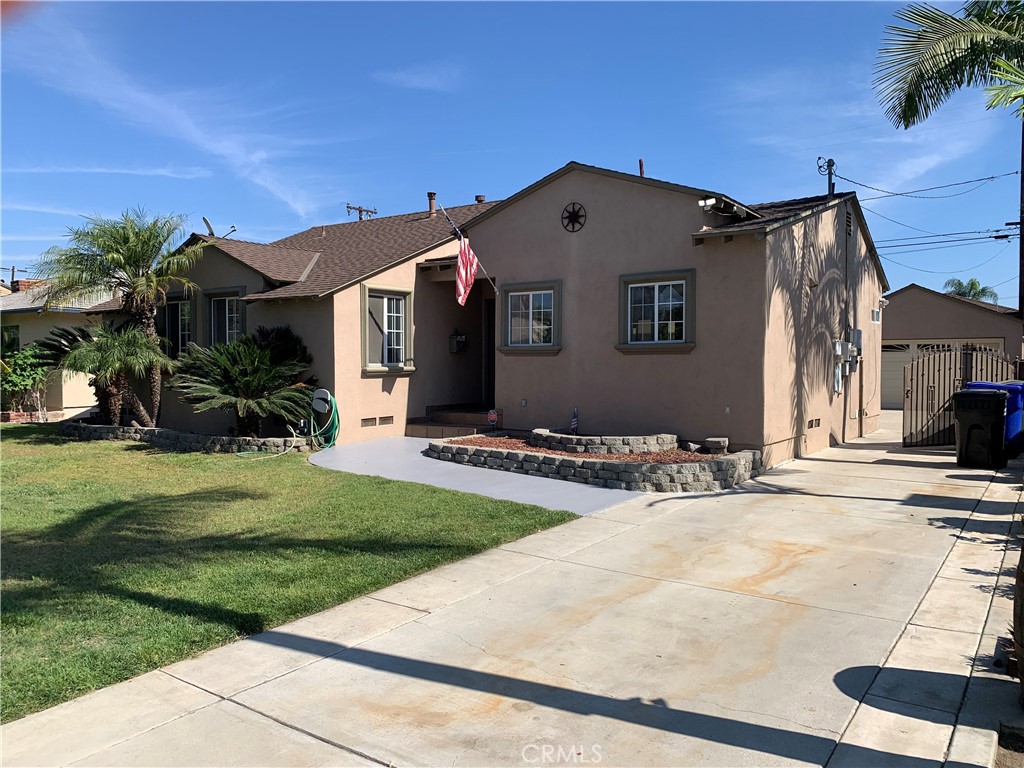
[{"x": 271, "y": 116}]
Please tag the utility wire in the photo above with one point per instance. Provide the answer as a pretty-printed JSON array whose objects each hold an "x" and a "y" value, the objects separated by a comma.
[
  {"x": 916, "y": 229},
  {"x": 913, "y": 193},
  {"x": 945, "y": 271},
  {"x": 936, "y": 248},
  {"x": 943, "y": 242},
  {"x": 947, "y": 234},
  {"x": 1015, "y": 277}
]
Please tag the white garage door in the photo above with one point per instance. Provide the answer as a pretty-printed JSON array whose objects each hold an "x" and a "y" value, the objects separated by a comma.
[{"x": 894, "y": 358}]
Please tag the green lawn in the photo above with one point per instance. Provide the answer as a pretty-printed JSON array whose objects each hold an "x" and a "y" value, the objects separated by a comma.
[{"x": 117, "y": 558}]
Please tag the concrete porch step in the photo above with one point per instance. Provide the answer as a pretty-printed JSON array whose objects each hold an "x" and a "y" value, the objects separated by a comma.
[
  {"x": 438, "y": 429},
  {"x": 460, "y": 417}
]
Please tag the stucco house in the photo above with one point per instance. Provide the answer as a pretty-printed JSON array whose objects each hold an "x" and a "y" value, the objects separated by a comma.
[
  {"x": 656, "y": 307},
  {"x": 648, "y": 306},
  {"x": 918, "y": 319},
  {"x": 24, "y": 319},
  {"x": 376, "y": 316}
]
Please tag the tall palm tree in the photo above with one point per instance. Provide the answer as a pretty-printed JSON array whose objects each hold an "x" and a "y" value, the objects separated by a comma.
[
  {"x": 137, "y": 258},
  {"x": 972, "y": 289}
]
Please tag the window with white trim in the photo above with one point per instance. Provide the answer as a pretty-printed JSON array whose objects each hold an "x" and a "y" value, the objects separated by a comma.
[
  {"x": 657, "y": 312},
  {"x": 387, "y": 330},
  {"x": 225, "y": 319},
  {"x": 530, "y": 318}
]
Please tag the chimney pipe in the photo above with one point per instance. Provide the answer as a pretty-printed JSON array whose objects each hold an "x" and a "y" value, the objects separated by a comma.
[
  {"x": 481, "y": 199},
  {"x": 432, "y": 203},
  {"x": 641, "y": 167}
]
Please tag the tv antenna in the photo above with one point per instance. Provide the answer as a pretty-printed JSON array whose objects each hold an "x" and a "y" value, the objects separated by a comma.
[{"x": 367, "y": 212}]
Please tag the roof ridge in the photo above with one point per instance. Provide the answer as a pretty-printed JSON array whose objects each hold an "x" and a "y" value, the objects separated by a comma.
[
  {"x": 215, "y": 239},
  {"x": 424, "y": 214}
]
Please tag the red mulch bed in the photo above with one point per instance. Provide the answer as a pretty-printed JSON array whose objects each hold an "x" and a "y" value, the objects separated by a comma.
[{"x": 674, "y": 456}]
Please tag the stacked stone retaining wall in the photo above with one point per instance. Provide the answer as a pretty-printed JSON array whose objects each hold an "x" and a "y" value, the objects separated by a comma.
[
  {"x": 602, "y": 444},
  {"x": 715, "y": 474},
  {"x": 184, "y": 441}
]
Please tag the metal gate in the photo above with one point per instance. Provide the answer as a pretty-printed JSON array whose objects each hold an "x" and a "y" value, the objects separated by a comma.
[{"x": 930, "y": 380}]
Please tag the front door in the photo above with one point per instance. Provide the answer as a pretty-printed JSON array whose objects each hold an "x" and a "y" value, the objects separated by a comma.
[{"x": 488, "y": 341}]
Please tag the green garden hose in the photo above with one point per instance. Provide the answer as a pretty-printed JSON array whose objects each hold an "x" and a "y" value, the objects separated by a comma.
[{"x": 325, "y": 436}]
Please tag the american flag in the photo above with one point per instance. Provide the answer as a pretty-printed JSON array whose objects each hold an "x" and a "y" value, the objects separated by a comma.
[
  {"x": 466, "y": 273},
  {"x": 574, "y": 422}
]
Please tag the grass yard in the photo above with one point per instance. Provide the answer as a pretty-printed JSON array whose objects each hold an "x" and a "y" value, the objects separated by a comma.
[{"x": 117, "y": 558}]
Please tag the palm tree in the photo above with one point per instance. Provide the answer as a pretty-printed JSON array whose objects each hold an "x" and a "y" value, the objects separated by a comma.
[
  {"x": 254, "y": 376},
  {"x": 921, "y": 66},
  {"x": 972, "y": 289},
  {"x": 110, "y": 356},
  {"x": 136, "y": 258}
]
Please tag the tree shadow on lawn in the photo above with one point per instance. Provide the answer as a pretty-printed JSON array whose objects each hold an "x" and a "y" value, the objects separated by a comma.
[
  {"x": 87, "y": 554},
  {"x": 32, "y": 434}
]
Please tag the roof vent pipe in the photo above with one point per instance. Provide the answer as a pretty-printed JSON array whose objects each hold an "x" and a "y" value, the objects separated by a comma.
[
  {"x": 481, "y": 199},
  {"x": 432, "y": 203}
]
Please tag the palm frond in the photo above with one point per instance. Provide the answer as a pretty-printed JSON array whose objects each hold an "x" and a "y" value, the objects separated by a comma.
[{"x": 920, "y": 67}]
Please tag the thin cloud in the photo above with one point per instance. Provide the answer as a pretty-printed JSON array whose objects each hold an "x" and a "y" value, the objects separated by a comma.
[
  {"x": 172, "y": 173},
  {"x": 443, "y": 79},
  {"x": 42, "y": 209},
  {"x": 65, "y": 59}
]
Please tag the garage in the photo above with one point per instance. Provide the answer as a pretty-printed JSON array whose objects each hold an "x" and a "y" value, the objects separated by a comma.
[{"x": 896, "y": 355}]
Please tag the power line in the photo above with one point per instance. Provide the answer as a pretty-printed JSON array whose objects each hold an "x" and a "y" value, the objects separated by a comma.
[
  {"x": 913, "y": 193},
  {"x": 945, "y": 271},
  {"x": 947, "y": 234},
  {"x": 916, "y": 229},
  {"x": 935, "y": 248},
  {"x": 1015, "y": 277},
  {"x": 930, "y": 243}
]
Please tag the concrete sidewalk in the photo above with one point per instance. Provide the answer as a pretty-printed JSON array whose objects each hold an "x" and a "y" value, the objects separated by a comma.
[
  {"x": 401, "y": 458},
  {"x": 828, "y": 613}
]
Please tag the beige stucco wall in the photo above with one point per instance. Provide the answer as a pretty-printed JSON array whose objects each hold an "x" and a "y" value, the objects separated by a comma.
[
  {"x": 311, "y": 320},
  {"x": 69, "y": 393},
  {"x": 821, "y": 280},
  {"x": 440, "y": 378},
  {"x": 630, "y": 228},
  {"x": 918, "y": 314}
]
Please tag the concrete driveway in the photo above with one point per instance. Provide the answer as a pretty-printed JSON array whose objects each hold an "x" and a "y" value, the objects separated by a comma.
[{"x": 819, "y": 615}]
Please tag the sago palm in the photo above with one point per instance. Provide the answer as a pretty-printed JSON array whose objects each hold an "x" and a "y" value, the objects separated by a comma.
[
  {"x": 972, "y": 289},
  {"x": 253, "y": 377},
  {"x": 135, "y": 258}
]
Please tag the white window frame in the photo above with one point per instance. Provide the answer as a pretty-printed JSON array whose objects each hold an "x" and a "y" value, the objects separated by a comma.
[
  {"x": 657, "y": 304},
  {"x": 229, "y": 334},
  {"x": 550, "y": 309},
  {"x": 393, "y": 353}
]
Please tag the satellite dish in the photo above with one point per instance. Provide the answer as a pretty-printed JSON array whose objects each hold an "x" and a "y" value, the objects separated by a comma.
[{"x": 209, "y": 228}]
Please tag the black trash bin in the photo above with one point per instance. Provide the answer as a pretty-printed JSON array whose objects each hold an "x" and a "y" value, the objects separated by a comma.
[{"x": 980, "y": 417}]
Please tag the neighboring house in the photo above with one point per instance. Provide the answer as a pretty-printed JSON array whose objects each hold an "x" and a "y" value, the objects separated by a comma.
[
  {"x": 23, "y": 320},
  {"x": 655, "y": 307},
  {"x": 919, "y": 319}
]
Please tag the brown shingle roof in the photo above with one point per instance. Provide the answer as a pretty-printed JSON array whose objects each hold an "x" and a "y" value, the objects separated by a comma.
[
  {"x": 279, "y": 263},
  {"x": 772, "y": 215},
  {"x": 354, "y": 250}
]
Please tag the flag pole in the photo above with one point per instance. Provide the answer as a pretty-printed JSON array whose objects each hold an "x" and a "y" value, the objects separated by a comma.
[{"x": 458, "y": 233}]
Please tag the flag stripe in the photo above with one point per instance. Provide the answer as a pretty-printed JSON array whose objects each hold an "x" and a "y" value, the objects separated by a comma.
[{"x": 466, "y": 273}]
